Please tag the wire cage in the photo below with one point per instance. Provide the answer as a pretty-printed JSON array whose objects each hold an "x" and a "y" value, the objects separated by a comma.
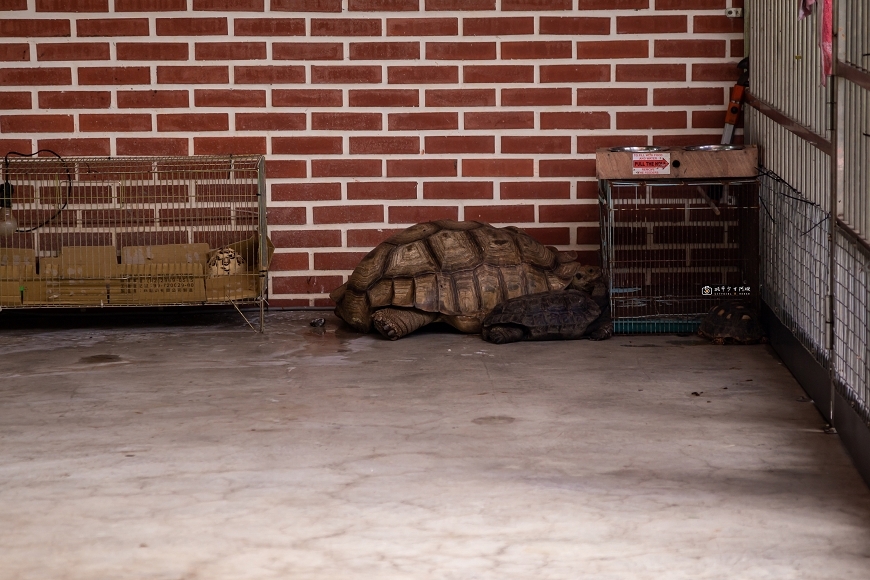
[
  {"x": 674, "y": 250},
  {"x": 134, "y": 231},
  {"x": 796, "y": 262}
]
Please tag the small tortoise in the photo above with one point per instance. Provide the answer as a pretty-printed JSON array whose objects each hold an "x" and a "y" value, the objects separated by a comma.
[
  {"x": 556, "y": 315},
  {"x": 450, "y": 271},
  {"x": 602, "y": 327},
  {"x": 225, "y": 262},
  {"x": 731, "y": 322}
]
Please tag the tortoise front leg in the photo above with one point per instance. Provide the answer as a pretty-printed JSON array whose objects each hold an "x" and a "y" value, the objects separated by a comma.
[
  {"x": 394, "y": 323},
  {"x": 502, "y": 334},
  {"x": 602, "y": 332}
]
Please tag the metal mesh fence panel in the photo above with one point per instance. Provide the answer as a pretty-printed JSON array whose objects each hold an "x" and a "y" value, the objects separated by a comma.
[
  {"x": 852, "y": 336},
  {"x": 795, "y": 264}
]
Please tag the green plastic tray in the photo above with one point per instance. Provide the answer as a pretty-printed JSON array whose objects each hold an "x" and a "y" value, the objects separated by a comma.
[{"x": 655, "y": 326}]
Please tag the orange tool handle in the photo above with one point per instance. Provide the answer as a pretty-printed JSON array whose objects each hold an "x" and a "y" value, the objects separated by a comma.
[{"x": 734, "y": 106}]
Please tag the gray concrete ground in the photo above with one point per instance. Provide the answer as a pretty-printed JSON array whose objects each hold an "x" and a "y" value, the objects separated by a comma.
[{"x": 205, "y": 451}]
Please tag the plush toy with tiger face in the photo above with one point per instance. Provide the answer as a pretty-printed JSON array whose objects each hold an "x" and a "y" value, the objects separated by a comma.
[{"x": 226, "y": 262}]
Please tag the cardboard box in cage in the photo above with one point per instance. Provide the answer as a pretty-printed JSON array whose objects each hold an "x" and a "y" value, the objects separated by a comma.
[
  {"x": 33, "y": 293},
  {"x": 80, "y": 262},
  {"x": 79, "y": 275},
  {"x": 147, "y": 275},
  {"x": 166, "y": 254},
  {"x": 162, "y": 274},
  {"x": 159, "y": 283},
  {"x": 10, "y": 293},
  {"x": 86, "y": 292},
  {"x": 17, "y": 257},
  {"x": 11, "y": 280},
  {"x": 236, "y": 287},
  {"x": 222, "y": 288},
  {"x": 16, "y": 266}
]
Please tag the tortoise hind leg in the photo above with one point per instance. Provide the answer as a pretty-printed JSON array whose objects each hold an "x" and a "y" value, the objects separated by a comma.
[
  {"x": 502, "y": 334},
  {"x": 394, "y": 323}
]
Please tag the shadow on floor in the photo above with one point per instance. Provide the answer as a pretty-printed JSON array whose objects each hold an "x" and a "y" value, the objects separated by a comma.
[{"x": 69, "y": 318}]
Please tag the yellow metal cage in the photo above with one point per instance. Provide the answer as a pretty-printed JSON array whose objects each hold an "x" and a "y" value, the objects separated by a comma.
[{"x": 134, "y": 231}]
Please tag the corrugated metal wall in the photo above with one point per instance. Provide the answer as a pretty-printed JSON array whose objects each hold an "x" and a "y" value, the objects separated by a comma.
[
  {"x": 853, "y": 205},
  {"x": 786, "y": 64},
  {"x": 816, "y": 215},
  {"x": 795, "y": 160},
  {"x": 855, "y": 22}
]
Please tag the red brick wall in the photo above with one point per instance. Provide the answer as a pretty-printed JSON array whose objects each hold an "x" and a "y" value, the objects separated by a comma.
[{"x": 373, "y": 114}]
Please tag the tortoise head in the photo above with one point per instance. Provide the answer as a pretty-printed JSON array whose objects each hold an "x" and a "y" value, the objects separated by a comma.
[{"x": 586, "y": 278}]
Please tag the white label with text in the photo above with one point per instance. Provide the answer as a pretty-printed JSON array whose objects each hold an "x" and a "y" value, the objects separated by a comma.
[{"x": 651, "y": 163}]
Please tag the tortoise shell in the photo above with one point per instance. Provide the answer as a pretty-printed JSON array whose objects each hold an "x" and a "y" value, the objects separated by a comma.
[
  {"x": 732, "y": 321},
  {"x": 458, "y": 269},
  {"x": 560, "y": 315}
]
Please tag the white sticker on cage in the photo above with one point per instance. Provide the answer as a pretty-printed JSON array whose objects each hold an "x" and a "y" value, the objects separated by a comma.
[{"x": 651, "y": 163}]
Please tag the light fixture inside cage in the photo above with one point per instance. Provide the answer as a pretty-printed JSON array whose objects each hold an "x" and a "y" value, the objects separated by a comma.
[{"x": 9, "y": 224}]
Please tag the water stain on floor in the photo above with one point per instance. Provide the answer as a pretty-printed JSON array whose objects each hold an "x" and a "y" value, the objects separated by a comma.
[
  {"x": 99, "y": 359},
  {"x": 493, "y": 420}
]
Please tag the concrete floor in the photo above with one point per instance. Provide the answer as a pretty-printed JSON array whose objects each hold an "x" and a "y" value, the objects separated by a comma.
[{"x": 202, "y": 450}]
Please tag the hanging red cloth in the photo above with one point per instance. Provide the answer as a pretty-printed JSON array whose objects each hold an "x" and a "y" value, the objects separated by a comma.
[{"x": 826, "y": 33}]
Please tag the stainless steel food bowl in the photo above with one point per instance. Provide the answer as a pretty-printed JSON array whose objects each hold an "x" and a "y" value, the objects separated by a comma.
[
  {"x": 714, "y": 148},
  {"x": 643, "y": 149}
]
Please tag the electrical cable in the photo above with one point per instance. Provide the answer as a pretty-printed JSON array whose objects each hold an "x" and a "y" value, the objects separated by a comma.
[
  {"x": 767, "y": 173},
  {"x": 7, "y": 187},
  {"x": 776, "y": 178}
]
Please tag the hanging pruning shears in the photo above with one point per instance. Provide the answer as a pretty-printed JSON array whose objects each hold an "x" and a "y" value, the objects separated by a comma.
[{"x": 738, "y": 93}]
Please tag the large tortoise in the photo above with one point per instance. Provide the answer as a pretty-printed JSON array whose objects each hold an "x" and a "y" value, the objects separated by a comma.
[{"x": 454, "y": 272}]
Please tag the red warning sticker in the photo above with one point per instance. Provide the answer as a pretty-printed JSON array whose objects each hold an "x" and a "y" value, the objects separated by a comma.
[{"x": 651, "y": 163}]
